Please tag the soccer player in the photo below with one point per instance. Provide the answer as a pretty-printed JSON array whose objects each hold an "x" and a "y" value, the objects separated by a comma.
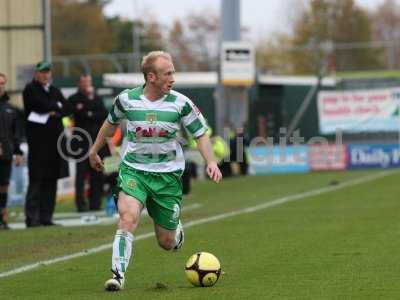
[{"x": 153, "y": 161}]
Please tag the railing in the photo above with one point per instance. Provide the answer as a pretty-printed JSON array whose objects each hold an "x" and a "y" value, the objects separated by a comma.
[{"x": 71, "y": 65}]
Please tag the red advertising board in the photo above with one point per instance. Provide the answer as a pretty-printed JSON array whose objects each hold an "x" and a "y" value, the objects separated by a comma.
[{"x": 328, "y": 157}]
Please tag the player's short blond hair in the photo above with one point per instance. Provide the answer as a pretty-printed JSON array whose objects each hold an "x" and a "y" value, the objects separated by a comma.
[
  {"x": 4, "y": 76},
  {"x": 148, "y": 60}
]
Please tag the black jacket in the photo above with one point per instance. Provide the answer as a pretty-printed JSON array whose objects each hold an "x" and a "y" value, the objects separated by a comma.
[
  {"x": 10, "y": 131},
  {"x": 44, "y": 158},
  {"x": 89, "y": 115}
]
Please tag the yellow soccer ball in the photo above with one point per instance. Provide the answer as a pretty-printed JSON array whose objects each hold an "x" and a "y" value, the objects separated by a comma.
[{"x": 203, "y": 269}]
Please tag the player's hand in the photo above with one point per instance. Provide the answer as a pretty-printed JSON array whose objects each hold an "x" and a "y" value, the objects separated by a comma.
[
  {"x": 18, "y": 160},
  {"x": 96, "y": 162},
  {"x": 213, "y": 172}
]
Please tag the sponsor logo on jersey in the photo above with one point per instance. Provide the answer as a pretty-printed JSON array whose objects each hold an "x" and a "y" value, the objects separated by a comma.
[{"x": 150, "y": 132}]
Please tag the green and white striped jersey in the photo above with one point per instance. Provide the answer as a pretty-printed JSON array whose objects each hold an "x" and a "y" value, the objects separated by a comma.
[{"x": 152, "y": 128}]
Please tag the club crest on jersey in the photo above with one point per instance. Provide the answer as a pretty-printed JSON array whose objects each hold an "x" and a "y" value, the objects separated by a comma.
[
  {"x": 132, "y": 183},
  {"x": 151, "y": 118}
]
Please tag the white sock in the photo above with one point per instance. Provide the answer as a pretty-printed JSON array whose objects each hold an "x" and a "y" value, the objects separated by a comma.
[
  {"x": 179, "y": 236},
  {"x": 122, "y": 250}
]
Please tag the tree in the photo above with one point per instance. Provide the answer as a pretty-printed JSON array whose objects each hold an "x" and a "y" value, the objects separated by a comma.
[
  {"x": 343, "y": 26},
  {"x": 273, "y": 55},
  {"x": 152, "y": 37},
  {"x": 203, "y": 30},
  {"x": 194, "y": 42},
  {"x": 180, "y": 48},
  {"x": 386, "y": 23},
  {"x": 334, "y": 33},
  {"x": 123, "y": 36},
  {"x": 79, "y": 27}
]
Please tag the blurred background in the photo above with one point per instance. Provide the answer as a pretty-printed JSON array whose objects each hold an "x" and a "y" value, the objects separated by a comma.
[
  {"x": 268, "y": 68},
  {"x": 354, "y": 43}
]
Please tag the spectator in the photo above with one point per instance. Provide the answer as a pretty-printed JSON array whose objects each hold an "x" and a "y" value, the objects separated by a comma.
[
  {"x": 44, "y": 108},
  {"x": 262, "y": 130},
  {"x": 271, "y": 130},
  {"x": 89, "y": 114},
  {"x": 9, "y": 146},
  {"x": 237, "y": 145}
]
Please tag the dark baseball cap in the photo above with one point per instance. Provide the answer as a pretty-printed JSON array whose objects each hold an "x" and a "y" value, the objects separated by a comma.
[{"x": 43, "y": 66}]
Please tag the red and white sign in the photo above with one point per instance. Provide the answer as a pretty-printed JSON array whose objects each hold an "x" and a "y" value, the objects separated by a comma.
[
  {"x": 359, "y": 110},
  {"x": 328, "y": 157}
]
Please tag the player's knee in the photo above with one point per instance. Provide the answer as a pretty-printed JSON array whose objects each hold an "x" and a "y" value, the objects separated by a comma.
[
  {"x": 167, "y": 243},
  {"x": 128, "y": 222}
]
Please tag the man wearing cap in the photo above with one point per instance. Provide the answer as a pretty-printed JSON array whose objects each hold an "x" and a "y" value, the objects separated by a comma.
[{"x": 44, "y": 108}]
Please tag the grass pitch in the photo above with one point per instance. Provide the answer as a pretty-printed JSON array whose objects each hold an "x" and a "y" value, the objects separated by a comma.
[{"x": 341, "y": 244}]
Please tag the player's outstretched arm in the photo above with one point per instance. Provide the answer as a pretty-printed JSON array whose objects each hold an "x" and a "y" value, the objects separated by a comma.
[
  {"x": 106, "y": 131},
  {"x": 205, "y": 149}
]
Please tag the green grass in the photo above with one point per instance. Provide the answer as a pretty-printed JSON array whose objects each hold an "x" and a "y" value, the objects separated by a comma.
[
  {"x": 373, "y": 74},
  {"x": 369, "y": 74},
  {"x": 337, "y": 245}
]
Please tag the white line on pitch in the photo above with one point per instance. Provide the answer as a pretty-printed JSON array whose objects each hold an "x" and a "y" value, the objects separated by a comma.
[{"x": 250, "y": 209}]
